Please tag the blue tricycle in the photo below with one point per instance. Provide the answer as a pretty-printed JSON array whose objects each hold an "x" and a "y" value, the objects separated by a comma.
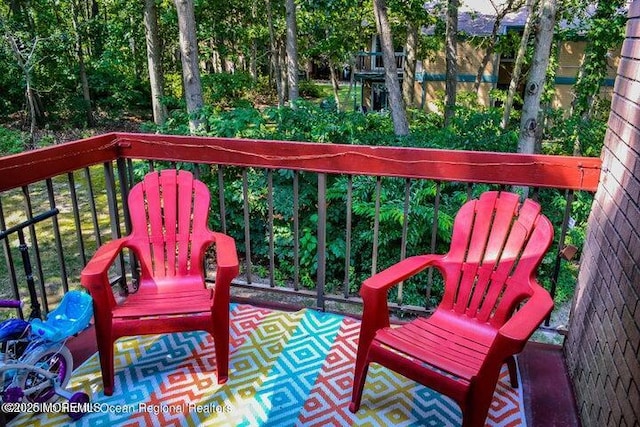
[{"x": 35, "y": 364}]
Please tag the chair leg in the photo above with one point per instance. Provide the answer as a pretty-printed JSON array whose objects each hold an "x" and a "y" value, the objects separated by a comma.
[
  {"x": 479, "y": 399},
  {"x": 513, "y": 371},
  {"x": 360, "y": 377},
  {"x": 105, "y": 351},
  {"x": 372, "y": 320},
  {"x": 221, "y": 342},
  {"x": 220, "y": 334}
]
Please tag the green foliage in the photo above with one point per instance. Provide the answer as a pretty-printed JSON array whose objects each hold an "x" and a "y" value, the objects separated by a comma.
[
  {"x": 555, "y": 202},
  {"x": 225, "y": 89},
  {"x": 562, "y": 133},
  {"x": 118, "y": 93},
  {"x": 474, "y": 129},
  {"x": 332, "y": 30},
  {"x": 309, "y": 89},
  {"x": 263, "y": 92},
  {"x": 605, "y": 32},
  {"x": 173, "y": 85},
  {"x": 244, "y": 122},
  {"x": 11, "y": 142},
  {"x": 12, "y": 98}
]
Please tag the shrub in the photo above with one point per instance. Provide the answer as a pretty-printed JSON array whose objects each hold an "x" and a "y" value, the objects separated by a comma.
[
  {"x": 225, "y": 89},
  {"x": 309, "y": 89},
  {"x": 11, "y": 141}
]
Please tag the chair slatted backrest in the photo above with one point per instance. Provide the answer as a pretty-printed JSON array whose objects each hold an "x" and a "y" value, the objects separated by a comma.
[
  {"x": 498, "y": 244},
  {"x": 167, "y": 210}
]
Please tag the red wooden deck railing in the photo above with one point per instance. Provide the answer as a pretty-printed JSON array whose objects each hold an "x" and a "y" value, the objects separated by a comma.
[{"x": 64, "y": 177}]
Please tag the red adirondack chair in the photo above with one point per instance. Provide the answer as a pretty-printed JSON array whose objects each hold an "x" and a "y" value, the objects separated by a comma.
[
  {"x": 169, "y": 237},
  {"x": 491, "y": 305}
]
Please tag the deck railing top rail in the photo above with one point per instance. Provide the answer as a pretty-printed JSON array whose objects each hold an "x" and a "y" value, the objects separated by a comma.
[{"x": 565, "y": 172}]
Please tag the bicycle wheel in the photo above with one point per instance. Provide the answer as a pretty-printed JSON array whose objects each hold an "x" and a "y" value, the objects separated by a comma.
[
  {"x": 57, "y": 360},
  {"x": 9, "y": 352}
]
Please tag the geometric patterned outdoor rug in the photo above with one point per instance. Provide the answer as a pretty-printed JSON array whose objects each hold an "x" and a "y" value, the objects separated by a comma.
[{"x": 285, "y": 369}]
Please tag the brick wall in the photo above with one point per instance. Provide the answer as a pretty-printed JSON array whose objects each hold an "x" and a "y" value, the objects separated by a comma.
[{"x": 604, "y": 332}]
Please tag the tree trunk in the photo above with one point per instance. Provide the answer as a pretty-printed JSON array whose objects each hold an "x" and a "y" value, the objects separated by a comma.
[
  {"x": 517, "y": 66},
  {"x": 94, "y": 42},
  {"x": 352, "y": 74},
  {"x": 530, "y": 128},
  {"x": 335, "y": 84},
  {"x": 396, "y": 104},
  {"x": 292, "y": 51},
  {"x": 282, "y": 61},
  {"x": 86, "y": 94},
  {"x": 253, "y": 60},
  {"x": 154, "y": 61},
  {"x": 31, "y": 100},
  {"x": 451, "y": 82},
  {"x": 134, "y": 49},
  {"x": 84, "y": 81},
  {"x": 189, "y": 57},
  {"x": 253, "y": 53},
  {"x": 275, "y": 62},
  {"x": 409, "y": 78},
  {"x": 26, "y": 65}
]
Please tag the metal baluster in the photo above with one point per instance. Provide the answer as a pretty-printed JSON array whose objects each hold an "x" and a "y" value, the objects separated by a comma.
[
  {"x": 223, "y": 211},
  {"x": 434, "y": 236},
  {"x": 114, "y": 218},
  {"x": 563, "y": 234},
  {"x": 376, "y": 227},
  {"x": 130, "y": 174},
  {"x": 405, "y": 231},
  {"x": 296, "y": 230},
  {"x": 125, "y": 186},
  {"x": 247, "y": 230},
  {"x": 322, "y": 239},
  {"x": 36, "y": 248},
  {"x": 535, "y": 194},
  {"x": 347, "y": 254},
  {"x": 76, "y": 216},
  {"x": 124, "y": 193},
  {"x": 272, "y": 257},
  {"x": 92, "y": 205},
  {"x": 58, "y": 239},
  {"x": 8, "y": 257}
]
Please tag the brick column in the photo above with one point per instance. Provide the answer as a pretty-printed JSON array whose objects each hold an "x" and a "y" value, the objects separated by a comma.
[{"x": 604, "y": 331}]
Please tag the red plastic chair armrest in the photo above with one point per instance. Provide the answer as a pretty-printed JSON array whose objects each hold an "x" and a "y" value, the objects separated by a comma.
[
  {"x": 401, "y": 271},
  {"x": 94, "y": 276},
  {"x": 514, "y": 334},
  {"x": 103, "y": 258},
  {"x": 226, "y": 254},
  {"x": 227, "y": 269},
  {"x": 375, "y": 315},
  {"x": 374, "y": 289}
]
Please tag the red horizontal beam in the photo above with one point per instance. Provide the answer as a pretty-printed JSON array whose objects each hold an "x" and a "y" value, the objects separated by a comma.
[
  {"x": 32, "y": 166},
  {"x": 577, "y": 173}
]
